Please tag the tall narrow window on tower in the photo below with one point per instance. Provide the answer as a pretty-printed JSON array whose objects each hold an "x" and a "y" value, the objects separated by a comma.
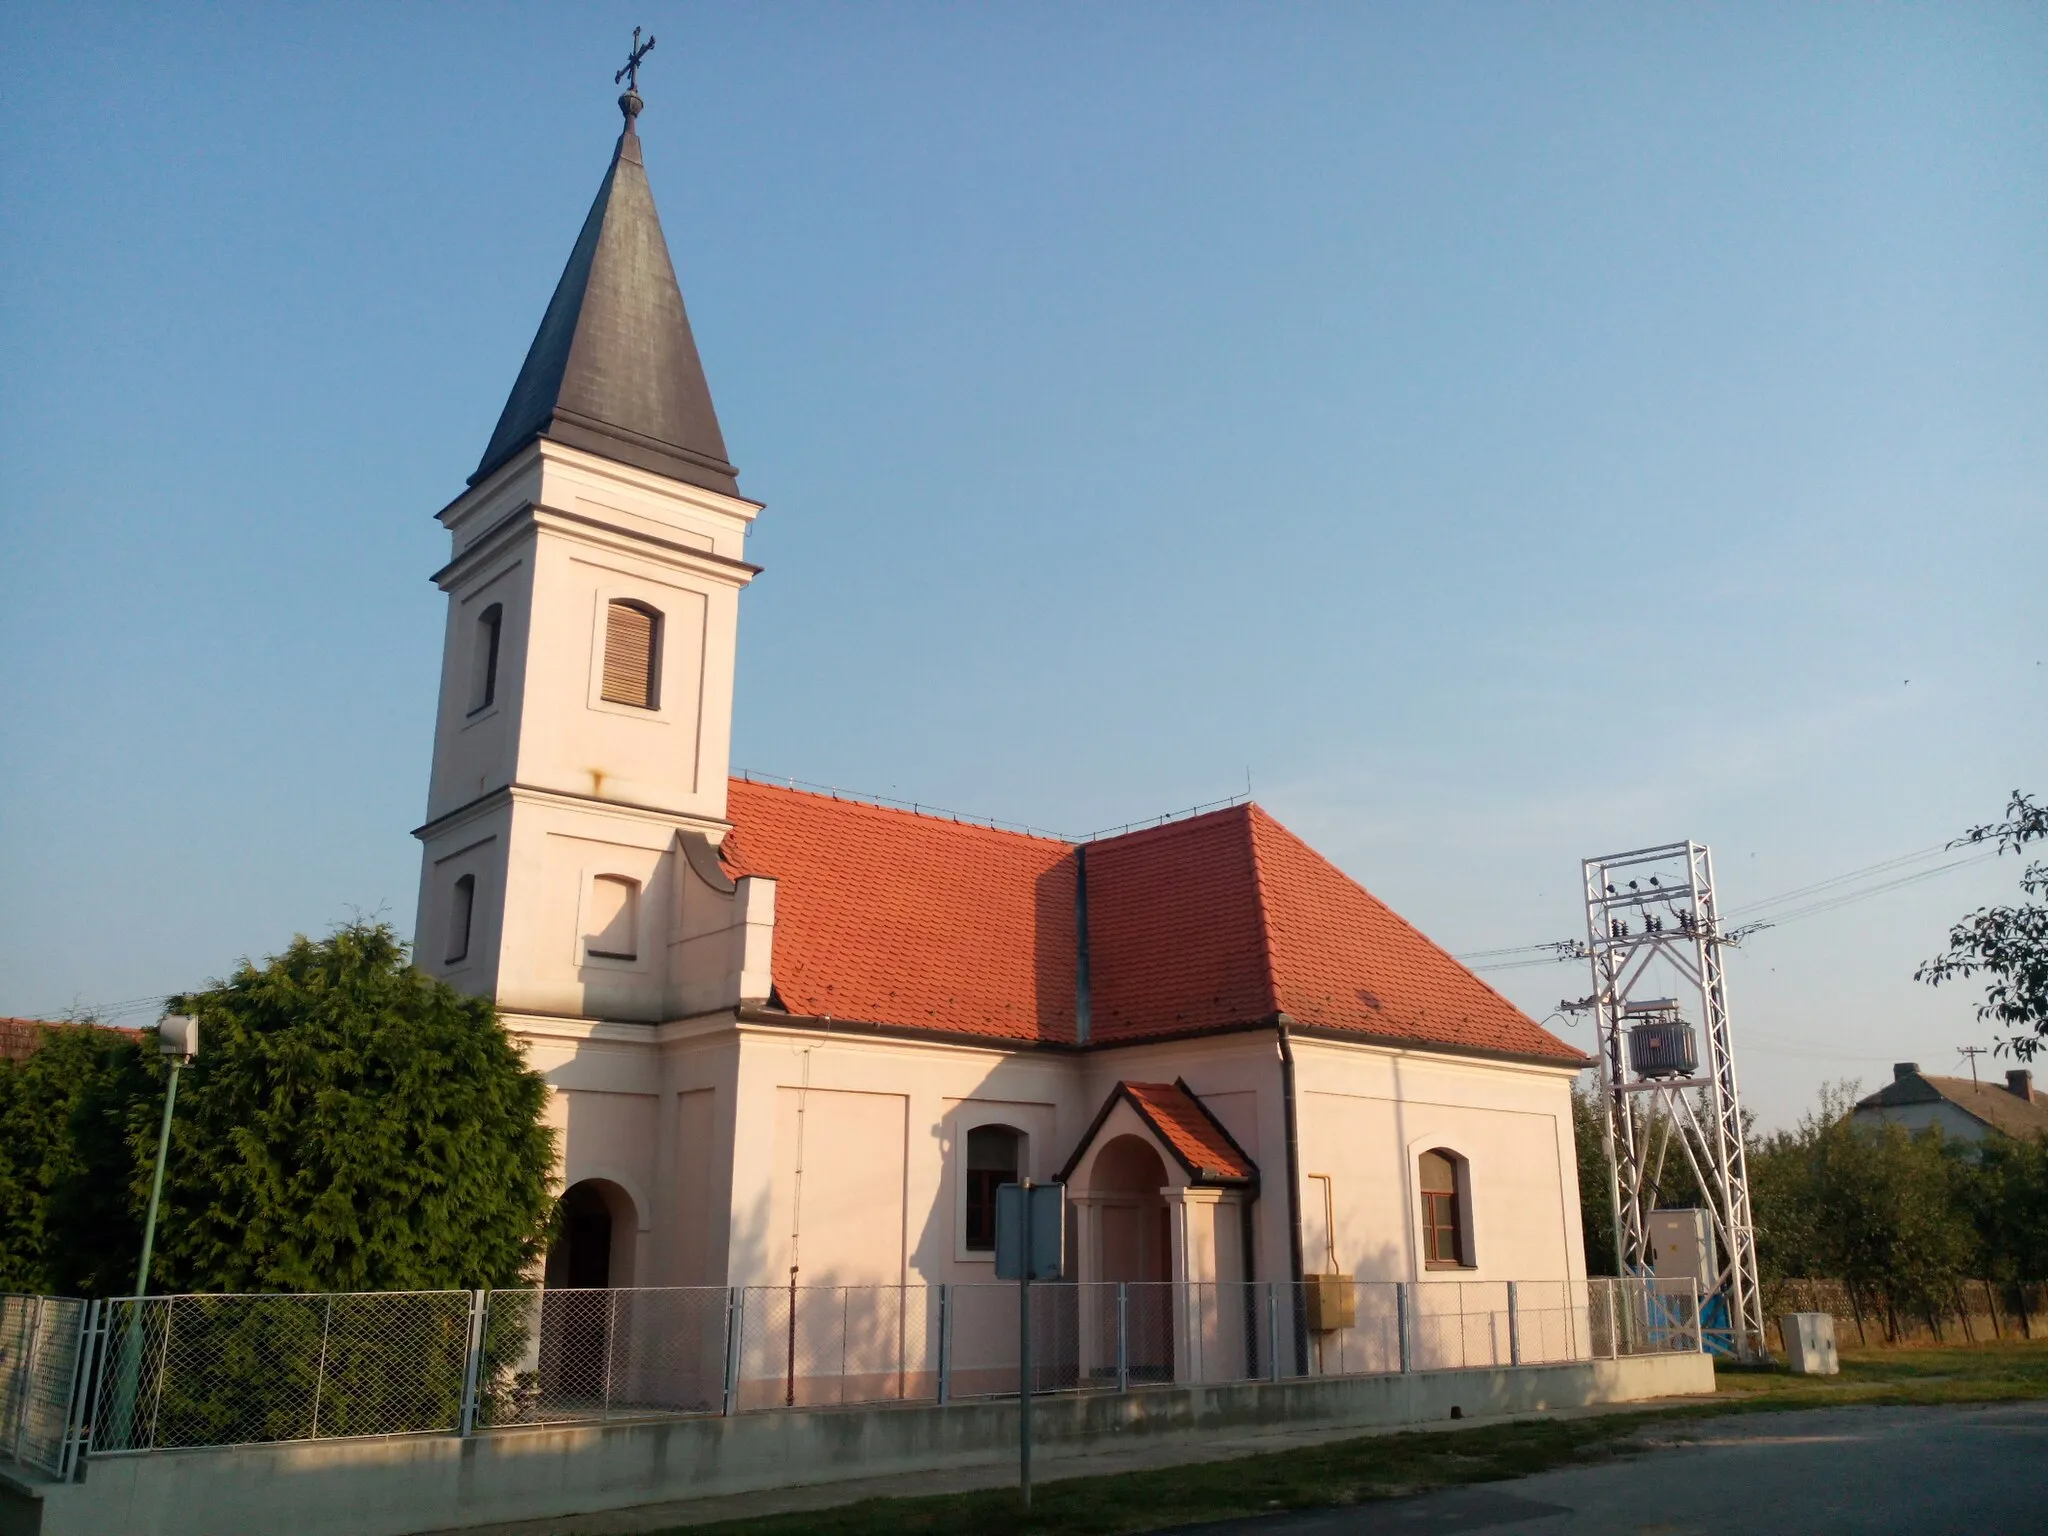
[
  {"x": 461, "y": 907},
  {"x": 483, "y": 660},
  {"x": 632, "y": 655}
]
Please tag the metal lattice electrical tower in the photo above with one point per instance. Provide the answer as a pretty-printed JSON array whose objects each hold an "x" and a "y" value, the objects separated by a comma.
[{"x": 1653, "y": 933}]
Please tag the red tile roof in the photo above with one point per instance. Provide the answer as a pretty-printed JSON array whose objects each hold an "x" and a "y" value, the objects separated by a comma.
[
  {"x": 20, "y": 1038},
  {"x": 888, "y": 917},
  {"x": 1344, "y": 959},
  {"x": 1196, "y": 1137},
  {"x": 914, "y": 921}
]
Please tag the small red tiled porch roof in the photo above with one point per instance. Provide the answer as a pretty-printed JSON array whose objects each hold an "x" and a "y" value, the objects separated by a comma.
[
  {"x": 1223, "y": 921},
  {"x": 1197, "y": 1137}
]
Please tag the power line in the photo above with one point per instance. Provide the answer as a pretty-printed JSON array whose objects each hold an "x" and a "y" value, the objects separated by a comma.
[{"x": 1753, "y": 917}]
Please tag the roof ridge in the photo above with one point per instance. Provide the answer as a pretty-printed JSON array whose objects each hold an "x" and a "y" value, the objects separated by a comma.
[
  {"x": 1252, "y": 813},
  {"x": 913, "y": 809}
]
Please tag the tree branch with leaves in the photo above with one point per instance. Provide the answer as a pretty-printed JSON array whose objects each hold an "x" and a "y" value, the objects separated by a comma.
[{"x": 2009, "y": 944}]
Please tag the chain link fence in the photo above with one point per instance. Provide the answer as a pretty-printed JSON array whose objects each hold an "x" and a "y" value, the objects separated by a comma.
[
  {"x": 566, "y": 1355},
  {"x": 166, "y": 1372},
  {"x": 230, "y": 1370},
  {"x": 1643, "y": 1317},
  {"x": 816, "y": 1346},
  {"x": 42, "y": 1342}
]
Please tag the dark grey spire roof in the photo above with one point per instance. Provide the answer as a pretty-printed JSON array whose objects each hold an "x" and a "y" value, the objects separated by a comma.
[{"x": 613, "y": 369}]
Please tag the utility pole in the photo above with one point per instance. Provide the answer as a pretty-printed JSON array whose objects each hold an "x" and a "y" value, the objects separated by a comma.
[{"x": 1973, "y": 1052}]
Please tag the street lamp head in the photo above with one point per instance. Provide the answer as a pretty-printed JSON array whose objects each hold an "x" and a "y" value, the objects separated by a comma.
[{"x": 177, "y": 1034}]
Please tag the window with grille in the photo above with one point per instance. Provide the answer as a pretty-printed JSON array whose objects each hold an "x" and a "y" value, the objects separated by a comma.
[
  {"x": 992, "y": 1158},
  {"x": 632, "y": 655},
  {"x": 1443, "y": 1215},
  {"x": 461, "y": 908},
  {"x": 483, "y": 658},
  {"x": 613, "y": 932}
]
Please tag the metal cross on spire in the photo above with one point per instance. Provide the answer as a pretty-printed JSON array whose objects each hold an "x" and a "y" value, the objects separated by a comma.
[{"x": 631, "y": 73}]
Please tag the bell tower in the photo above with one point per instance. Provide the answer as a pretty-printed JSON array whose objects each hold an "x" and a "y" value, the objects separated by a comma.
[{"x": 581, "y": 747}]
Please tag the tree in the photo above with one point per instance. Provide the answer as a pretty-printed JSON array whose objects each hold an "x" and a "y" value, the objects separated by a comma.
[
  {"x": 65, "y": 1164},
  {"x": 2008, "y": 944},
  {"x": 350, "y": 1124}
]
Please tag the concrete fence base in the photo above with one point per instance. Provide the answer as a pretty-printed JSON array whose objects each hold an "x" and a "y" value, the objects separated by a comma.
[{"x": 409, "y": 1483}]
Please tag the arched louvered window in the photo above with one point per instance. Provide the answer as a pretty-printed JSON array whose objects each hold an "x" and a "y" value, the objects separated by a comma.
[
  {"x": 613, "y": 932},
  {"x": 483, "y": 658},
  {"x": 632, "y": 654},
  {"x": 1443, "y": 1210},
  {"x": 461, "y": 909}
]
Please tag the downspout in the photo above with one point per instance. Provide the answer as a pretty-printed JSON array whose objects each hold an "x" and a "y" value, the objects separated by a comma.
[{"x": 1293, "y": 1196}]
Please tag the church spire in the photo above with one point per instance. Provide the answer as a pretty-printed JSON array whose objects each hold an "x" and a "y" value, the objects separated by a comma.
[{"x": 613, "y": 369}]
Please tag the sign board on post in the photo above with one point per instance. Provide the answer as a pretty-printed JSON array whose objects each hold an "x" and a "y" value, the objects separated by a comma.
[
  {"x": 1031, "y": 1244},
  {"x": 1047, "y": 1226}
]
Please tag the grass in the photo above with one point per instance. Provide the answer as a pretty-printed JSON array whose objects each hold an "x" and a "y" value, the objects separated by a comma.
[{"x": 1387, "y": 1466}]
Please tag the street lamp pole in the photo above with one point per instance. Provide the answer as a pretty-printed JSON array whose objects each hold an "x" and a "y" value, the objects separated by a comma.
[{"x": 177, "y": 1038}]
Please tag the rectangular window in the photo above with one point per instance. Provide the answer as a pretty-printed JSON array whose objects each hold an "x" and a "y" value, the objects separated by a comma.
[
  {"x": 992, "y": 1157},
  {"x": 614, "y": 931},
  {"x": 632, "y": 637},
  {"x": 1443, "y": 1224}
]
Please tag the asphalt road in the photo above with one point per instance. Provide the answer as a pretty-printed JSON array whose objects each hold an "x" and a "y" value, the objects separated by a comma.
[{"x": 1969, "y": 1471}]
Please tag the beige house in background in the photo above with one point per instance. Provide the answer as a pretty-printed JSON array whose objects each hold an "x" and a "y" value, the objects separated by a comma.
[
  {"x": 798, "y": 1036},
  {"x": 1961, "y": 1108}
]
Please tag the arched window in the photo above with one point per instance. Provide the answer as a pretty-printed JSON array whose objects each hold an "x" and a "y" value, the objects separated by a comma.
[
  {"x": 614, "y": 929},
  {"x": 992, "y": 1159},
  {"x": 483, "y": 658},
  {"x": 461, "y": 907},
  {"x": 632, "y": 655},
  {"x": 1443, "y": 1210}
]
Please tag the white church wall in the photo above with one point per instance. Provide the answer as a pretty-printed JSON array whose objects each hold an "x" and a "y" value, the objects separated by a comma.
[
  {"x": 911, "y": 1180},
  {"x": 651, "y": 1111},
  {"x": 1366, "y": 1115}
]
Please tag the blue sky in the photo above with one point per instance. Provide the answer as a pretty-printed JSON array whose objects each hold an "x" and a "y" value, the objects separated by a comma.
[{"x": 1506, "y": 433}]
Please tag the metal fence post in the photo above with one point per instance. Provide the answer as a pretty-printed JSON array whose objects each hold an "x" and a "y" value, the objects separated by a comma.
[
  {"x": 945, "y": 1342},
  {"x": 472, "y": 1361},
  {"x": 1613, "y": 1323},
  {"x": 735, "y": 1338},
  {"x": 1699, "y": 1337},
  {"x": 1514, "y": 1323},
  {"x": 84, "y": 1390},
  {"x": 1404, "y": 1324},
  {"x": 1272, "y": 1330},
  {"x": 1123, "y": 1336}
]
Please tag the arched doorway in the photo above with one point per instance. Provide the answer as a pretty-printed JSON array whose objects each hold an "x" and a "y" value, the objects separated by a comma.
[
  {"x": 594, "y": 1242},
  {"x": 592, "y": 1251},
  {"x": 1133, "y": 1244}
]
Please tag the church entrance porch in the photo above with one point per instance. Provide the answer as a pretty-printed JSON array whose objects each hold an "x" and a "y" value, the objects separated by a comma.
[{"x": 1159, "y": 1189}]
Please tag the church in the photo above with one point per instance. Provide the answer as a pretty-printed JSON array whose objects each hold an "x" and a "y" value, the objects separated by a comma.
[{"x": 798, "y": 1038}]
